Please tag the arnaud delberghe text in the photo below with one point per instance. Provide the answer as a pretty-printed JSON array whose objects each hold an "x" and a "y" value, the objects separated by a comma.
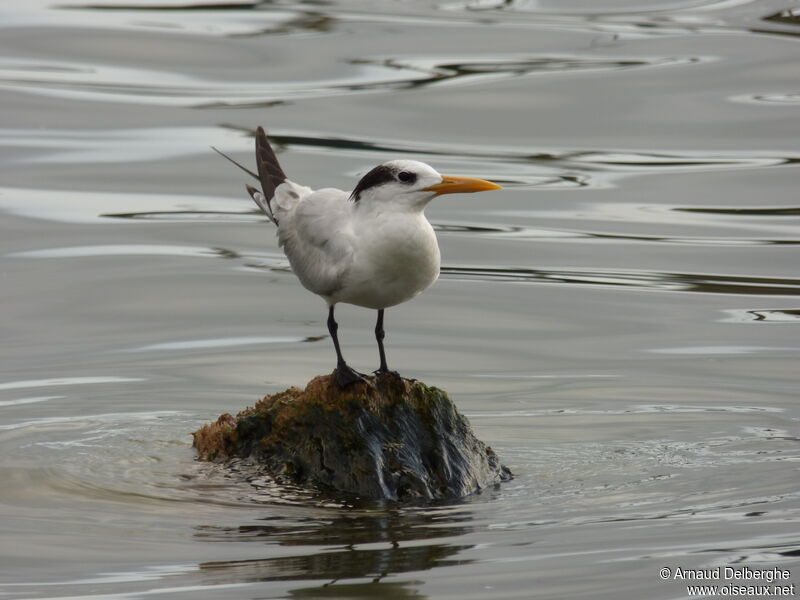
[{"x": 732, "y": 574}]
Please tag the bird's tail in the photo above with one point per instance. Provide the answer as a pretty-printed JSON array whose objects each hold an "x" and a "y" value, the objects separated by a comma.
[
  {"x": 262, "y": 202},
  {"x": 269, "y": 174}
]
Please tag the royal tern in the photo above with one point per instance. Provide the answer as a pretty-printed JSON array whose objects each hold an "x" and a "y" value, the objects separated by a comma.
[{"x": 372, "y": 247}]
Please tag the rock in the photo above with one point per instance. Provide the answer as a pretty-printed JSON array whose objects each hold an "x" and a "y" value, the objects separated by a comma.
[{"x": 387, "y": 438}]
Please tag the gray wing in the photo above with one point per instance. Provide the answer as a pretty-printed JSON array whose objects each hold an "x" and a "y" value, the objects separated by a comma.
[
  {"x": 317, "y": 236},
  {"x": 314, "y": 228}
]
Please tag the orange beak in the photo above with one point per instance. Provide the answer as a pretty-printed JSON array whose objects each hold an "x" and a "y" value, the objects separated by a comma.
[{"x": 461, "y": 185}]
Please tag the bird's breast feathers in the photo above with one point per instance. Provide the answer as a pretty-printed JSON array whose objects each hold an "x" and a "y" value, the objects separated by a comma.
[
  {"x": 375, "y": 262},
  {"x": 396, "y": 258}
]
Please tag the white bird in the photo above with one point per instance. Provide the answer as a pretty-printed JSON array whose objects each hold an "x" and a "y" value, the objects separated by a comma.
[{"x": 372, "y": 247}]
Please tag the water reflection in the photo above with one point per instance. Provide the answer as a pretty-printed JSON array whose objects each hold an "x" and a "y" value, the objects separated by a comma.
[
  {"x": 231, "y": 342},
  {"x": 789, "y": 16},
  {"x": 66, "y": 146},
  {"x": 342, "y": 555},
  {"x": 568, "y": 159},
  {"x": 784, "y": 211},
  {"x": 531, "y": 167},
  {"x": 779, "y": 20},
  {"x": 788, "y": 98},
  {"x": 237, "y": 19},
  {"x": 348, "y": 529},
  {"x": 61, "y": 381},
  {"x": 427, "y": 71},
  {"x": 679, "y": 282},
  {"x": 190, "y": 215},
  {"x": 552, "y": 234},
  {"x": 774, "y": 315},
  {"x": 333, "y": 566},
  {"x": 93, "y": 80},
  {"x": 370, "y": 591},
  {"x": 646, "y": 19},
  {"x": 167, "y": 7}
]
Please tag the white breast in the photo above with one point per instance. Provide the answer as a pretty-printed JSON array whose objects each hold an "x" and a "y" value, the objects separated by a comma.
[{"x": 396, "y": 257}]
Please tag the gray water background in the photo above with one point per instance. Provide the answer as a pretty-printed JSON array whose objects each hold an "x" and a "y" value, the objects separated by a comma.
[{"x": 620, "y": 323}]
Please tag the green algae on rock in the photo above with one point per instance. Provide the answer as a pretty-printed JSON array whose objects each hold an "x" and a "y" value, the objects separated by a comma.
[{"x": 387, "y": 438}]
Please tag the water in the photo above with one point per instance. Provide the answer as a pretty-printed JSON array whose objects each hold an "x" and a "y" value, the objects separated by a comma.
[{"x": 620, "y": 323}]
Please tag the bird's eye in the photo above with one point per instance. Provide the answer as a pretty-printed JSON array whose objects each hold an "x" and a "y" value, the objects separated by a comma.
[{"x": 406, "y": 176}]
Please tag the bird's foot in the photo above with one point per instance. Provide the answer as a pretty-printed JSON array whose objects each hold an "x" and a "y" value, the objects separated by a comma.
[
  {"x": 385, "y": 371},
  {"x": 346, "y": 375}
]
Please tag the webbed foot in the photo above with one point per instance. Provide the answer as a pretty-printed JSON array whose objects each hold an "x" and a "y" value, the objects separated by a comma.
[
  {"x": 380, "y": 372},
  {"x": 346, "y": 375}
]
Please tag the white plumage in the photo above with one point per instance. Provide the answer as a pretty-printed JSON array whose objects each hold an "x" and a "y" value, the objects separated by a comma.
[{"x": 372, "y": 247}]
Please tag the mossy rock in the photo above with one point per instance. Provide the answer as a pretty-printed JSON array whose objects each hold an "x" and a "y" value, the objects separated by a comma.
[{"x": 387, "y": 438}]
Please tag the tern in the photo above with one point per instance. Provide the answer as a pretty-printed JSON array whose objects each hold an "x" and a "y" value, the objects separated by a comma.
[{"x": 371, "y": 247}]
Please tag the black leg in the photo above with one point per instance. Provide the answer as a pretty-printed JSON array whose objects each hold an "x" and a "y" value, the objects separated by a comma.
[
  {"x": 344, "y": 374},
  {"x": 379, "y": 335},
  {"x": 333, "y": 328}
]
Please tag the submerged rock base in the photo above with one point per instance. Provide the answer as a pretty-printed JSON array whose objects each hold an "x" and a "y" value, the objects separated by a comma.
[{"x": 387, "y": 438}]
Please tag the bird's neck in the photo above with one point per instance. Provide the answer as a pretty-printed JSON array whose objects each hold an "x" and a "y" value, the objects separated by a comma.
[
  {"x": 392, "y": 209},
  {"x": 384, "y": 216}
]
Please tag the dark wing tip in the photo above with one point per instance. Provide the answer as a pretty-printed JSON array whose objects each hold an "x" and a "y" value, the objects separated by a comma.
[
  {"x": 269, "y": 169},
  {"x": 263, "y": 203}
]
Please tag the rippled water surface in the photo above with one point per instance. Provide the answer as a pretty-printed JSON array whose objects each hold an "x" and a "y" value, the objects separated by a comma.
[{"x": 621, "y": 323}]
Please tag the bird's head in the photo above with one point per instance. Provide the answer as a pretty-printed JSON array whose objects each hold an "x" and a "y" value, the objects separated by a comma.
[{"x": 412, "y": 184}]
